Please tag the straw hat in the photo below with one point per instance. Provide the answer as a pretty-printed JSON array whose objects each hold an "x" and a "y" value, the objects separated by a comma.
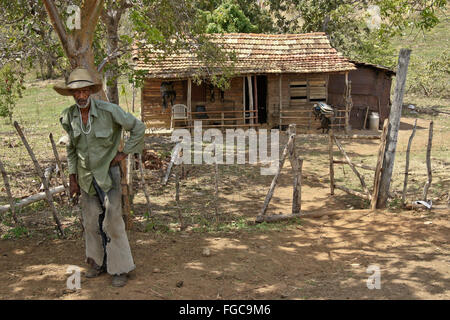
[{"x": 78, "y": 78}]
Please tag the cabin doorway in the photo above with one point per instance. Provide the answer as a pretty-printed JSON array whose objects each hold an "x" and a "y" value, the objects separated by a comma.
[
  {"x": 261, "y": 97},
  {"x": 259, "y": 94}
]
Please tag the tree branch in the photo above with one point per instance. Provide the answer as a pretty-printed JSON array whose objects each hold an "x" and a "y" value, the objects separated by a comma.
[
  {"x": 55, "y": 18},
  {"x": 90, "y": 14},
  {"x": 16, "y": 20},
  {"x": 114, "y": 55}
]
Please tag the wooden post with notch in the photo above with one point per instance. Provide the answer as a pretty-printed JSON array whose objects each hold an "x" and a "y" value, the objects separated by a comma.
[
  {"x": 378, "y": 169},
  {"x": 44, "y": 181},
  {"x": 330, "y": 154},
  {"x": 394, "y": 126},
  {"x": 8, "y": 193},
  {"x": 177, "y": 198},
  {"x": 296, "y": 164},
  {"x": 126, "y": 207},
  {"x": 189, "y": 101},
  {"x": 144, "y": 189},
  {"x": 58, "y": 162},
  {"x": 365, "y": 118},
  {"x": 348, "y": 102},
  {"x": 408, "y": 149},
  {"x": 280, "y": 85},
  {"x": 428, "y": 183},
  {"x": 250, "y": 98},
  {"x": 275, "y": 178}
]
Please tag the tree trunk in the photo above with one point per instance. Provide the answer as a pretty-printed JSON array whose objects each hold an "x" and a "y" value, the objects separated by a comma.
[
  {"x": 78, "y": 43},
  {"x": 111, "y": 19},
  {"x": 111, "y": 22},
  {"x": 50, "y": 74}
]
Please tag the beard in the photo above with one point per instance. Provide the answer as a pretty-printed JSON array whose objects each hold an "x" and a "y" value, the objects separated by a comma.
[{"x": 83, "y": 103}]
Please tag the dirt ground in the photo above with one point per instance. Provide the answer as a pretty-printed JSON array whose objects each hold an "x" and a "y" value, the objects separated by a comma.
[
  {"x": 320, "y": 258},
  {"x": 323, "y": 258}
]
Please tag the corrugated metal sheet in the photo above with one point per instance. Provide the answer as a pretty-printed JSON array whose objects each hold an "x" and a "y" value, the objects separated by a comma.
[{"x": 256, "y": 53}]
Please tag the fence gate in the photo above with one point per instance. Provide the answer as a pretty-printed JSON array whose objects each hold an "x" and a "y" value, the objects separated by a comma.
[{"x": 365, "y": 193}]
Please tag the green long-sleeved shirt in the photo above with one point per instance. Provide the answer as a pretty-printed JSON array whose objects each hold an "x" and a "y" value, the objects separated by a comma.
[{"x": 89, "y": 155}]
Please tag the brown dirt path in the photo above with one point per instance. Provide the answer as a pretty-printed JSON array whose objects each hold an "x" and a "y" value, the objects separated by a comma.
[{"x": 322, "y": 258}]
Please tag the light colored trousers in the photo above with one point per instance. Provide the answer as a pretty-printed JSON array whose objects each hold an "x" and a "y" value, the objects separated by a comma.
[{"x": 118, "y": 253}]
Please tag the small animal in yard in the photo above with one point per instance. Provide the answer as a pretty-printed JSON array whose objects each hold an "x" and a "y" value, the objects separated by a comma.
[
  {"x": 324, "y": 123},
  {"x": 316, "y": 111},
  {"x": 325, "y": 114}
]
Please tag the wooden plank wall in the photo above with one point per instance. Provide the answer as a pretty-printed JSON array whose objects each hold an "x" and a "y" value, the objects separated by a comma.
[
  {"x": 369, "y": 86},
  {"x": 295, "y": 86},
  {"x": 233, "y": 98},
  {"x": 153, "y": 114}
]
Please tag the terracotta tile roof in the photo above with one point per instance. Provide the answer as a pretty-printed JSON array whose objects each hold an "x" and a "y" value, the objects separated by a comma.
[
  {"x": 257, "y": 53},
  {"x": 388, "y": 71}
]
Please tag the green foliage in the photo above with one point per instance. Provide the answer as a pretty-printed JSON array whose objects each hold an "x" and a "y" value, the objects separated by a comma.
[
  {"x": 10, "y": 90},
  {"x": 235, "y": 16},
  {"x": 350, "y": 26},
  {"x": 395, "y": 204},
  {"x": 154, "y": 225},
  {"x": 429, "y": 76},
  {"x": 15, "y": 233},
  {"x": 166, "y": 27},
  {"x": 27, "y": 38},
  {"x": 227, "y": 18}
]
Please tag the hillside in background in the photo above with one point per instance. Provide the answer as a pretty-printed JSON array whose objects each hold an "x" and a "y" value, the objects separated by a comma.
[{"x": 429, "y": 69}]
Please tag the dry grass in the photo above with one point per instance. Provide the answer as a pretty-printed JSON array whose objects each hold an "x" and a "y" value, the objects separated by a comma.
[{"x": 242, "y": 188}]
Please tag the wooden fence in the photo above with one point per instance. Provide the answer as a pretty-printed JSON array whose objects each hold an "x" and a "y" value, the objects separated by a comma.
[{"x": 365, "y": 193}]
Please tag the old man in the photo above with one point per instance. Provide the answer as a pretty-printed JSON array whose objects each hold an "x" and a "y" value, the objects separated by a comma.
[{"x": 95, "y": 127}]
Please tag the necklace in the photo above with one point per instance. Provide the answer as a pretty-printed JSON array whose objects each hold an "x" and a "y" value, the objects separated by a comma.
[{"x": 88, "y": 124}]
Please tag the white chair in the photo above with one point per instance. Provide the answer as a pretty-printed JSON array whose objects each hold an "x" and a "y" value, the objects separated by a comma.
[{"x": 179, "y": 112}]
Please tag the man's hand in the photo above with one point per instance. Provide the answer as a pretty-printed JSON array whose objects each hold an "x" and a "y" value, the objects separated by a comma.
[
  {"x": 119, "y": 157},
  {"x": 74, "y": 188}
]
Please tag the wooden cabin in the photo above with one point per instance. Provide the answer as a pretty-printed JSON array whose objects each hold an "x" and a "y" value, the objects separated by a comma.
[
  {"x": 370, "y": 92},
  {"x": 278, "y": 78}
]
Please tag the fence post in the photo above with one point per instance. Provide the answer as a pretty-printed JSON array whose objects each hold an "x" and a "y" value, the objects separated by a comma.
[
  {"x": 428, "y": 183},
  {"x": 394, "y": 126},
  {"x": 330, "y": 152}
]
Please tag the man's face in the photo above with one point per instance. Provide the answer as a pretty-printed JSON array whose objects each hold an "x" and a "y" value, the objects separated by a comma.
[{"x": 81, "y": 95}]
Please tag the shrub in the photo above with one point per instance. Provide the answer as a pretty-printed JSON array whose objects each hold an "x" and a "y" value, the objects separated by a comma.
[
  {"x": 11, "y": 86},
  {"x": 430, "y": 77}
]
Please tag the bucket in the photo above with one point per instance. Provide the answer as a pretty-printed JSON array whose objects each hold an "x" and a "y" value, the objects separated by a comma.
[{"x": 374, "y": 121}]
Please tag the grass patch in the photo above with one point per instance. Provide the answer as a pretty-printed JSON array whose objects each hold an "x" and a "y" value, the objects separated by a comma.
[
  {"x": 426, "y": 47},
  {"x": 244, "y": 224},
  {"x": 16, "y": 233}
]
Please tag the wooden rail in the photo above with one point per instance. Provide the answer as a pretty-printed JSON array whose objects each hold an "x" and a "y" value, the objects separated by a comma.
[
  {"x": 293, "y": 114},
  {"x": 296, "y": 165},
  {"x": 366, "y": 193},
  {"x": 224, "y": 117}
]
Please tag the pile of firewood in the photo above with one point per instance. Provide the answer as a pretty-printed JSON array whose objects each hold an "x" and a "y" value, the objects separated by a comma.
[{"x": 152, "y": 161}]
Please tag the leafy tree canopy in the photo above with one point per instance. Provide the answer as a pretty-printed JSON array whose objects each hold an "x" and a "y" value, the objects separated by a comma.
[
  {"x": 235, "y": 16},
  {"x": 359, "y": 29}
]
